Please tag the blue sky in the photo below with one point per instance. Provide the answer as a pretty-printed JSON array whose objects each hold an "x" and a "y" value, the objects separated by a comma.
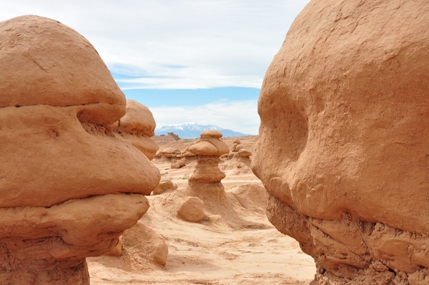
[
  {"x": 191, "y": 97},
  {"x": 188, "y": 61}
]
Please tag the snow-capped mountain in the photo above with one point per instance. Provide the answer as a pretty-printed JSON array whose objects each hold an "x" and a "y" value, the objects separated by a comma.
[{"x": 193, "y": 130}]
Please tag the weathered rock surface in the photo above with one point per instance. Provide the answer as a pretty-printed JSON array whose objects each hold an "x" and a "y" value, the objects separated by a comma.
[
  {"x": 344, "y": 139},
  {"x": 136, "y": 127},
  {"x": 164, "y": 186},
  {"x": 206, "y": 178},
  {"x": 235, "y": 144},
  {"x": 66, "y": 132},
  {"x": 252, "y": 197},
  {"x": 116, "y": 250},
  {"x": 238, "y": 158},
  {"x": 65, "y": 180},
  {"x": 179, "y": 163},
  {"x": 209, "y": 144},
  {"x": 72, "y": 64},
  {"x": 142, "y": 243},
  {"x": 244, "y": 153},
  {"x": 192, "y": 210}
]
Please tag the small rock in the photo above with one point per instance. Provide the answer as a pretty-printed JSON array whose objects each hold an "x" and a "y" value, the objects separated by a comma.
[
  {"x": 192, "y": 210},
  {"x": 164, "y": 186},
  {"x": 178, "y": 164}
]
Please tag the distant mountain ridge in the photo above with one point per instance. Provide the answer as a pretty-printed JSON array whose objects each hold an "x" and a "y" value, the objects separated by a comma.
[{"x": 193, "y": 130}]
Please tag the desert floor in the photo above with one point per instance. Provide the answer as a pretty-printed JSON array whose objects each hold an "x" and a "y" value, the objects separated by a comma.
[{"x": 235, "y": 244}]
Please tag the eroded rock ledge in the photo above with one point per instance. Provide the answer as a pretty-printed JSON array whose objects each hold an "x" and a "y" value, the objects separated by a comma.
[
  {"x": 65, "y": 179},
  {"x": 48, "y": 245},
  {"x": 362, "y": 252},
  {"x": 343, "y": 142}
]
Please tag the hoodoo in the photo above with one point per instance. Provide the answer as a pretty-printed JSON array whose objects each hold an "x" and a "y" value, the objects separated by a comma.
[
  {"x": 344, "y": 139},
  {"x": 206, "y": 179},
  {"x": 68, "y": 187}
]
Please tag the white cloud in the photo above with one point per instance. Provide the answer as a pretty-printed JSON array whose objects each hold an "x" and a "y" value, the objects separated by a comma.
[
  {"x": 239, "y": 116},
  {"x": 214, "y": 42},
  {"x": 190, "y": 82}
]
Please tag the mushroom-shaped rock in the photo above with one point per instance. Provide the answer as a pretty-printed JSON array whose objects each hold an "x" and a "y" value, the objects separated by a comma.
[
  {"x": 208, "y": 134},
  {"x": 192, "y": 210},
  {"x": 65, "y": 180},
  {"x": 208, "y": 151},
  {"x": 64, "y": 132},
  {"x": 206, "y": 178},
  {"x": 136, "y": 127},
  {"x": 209, "y": 144},
  {"x": 348, "y": 174},
  {"x": 58, "y": 67}
]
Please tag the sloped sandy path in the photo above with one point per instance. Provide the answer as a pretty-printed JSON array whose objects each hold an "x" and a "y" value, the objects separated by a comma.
[
  {"x": 200, "y": 254},
  {"x": 245, "y": 249}
]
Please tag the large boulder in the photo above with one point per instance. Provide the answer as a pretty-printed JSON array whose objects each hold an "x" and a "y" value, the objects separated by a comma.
[
  {"x": 68, "y": 187},
  {"x": 344, "y": 139}
]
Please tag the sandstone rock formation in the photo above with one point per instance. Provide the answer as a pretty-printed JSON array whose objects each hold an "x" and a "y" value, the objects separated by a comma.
[
  {"x": 192, "y": 210},
  {"x": 252, "y": 197},
  {"x": 68, "y": 187},
  {"x": 117, "y": 249},
  {"x": 164, "y": 186},
  {"x": 178, "y": 163},
  {"x": 178, "y": 158},
  {"x": 235, "y": 145},
  {"x": 169, "y": 153},
  {"x": 141, "y": 243},
  {"x": 174, "y": 156},
  {"x": 188, "y": 156},
  {"x": 136, "y": 127},
  {"x": 238, "y": 158},
  {"x": 343, "y": 146},
  {"x": 205, "y": 180}
]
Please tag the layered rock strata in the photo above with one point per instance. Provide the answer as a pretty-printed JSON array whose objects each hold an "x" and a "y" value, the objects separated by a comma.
[
  {"x": 206, "y": 178},
  {"x": 68, "y": 187},
  {"x": 343, "y": 145}
]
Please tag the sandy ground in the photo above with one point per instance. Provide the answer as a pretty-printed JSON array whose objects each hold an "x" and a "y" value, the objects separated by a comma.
[{"x": 235, "y": 244}]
